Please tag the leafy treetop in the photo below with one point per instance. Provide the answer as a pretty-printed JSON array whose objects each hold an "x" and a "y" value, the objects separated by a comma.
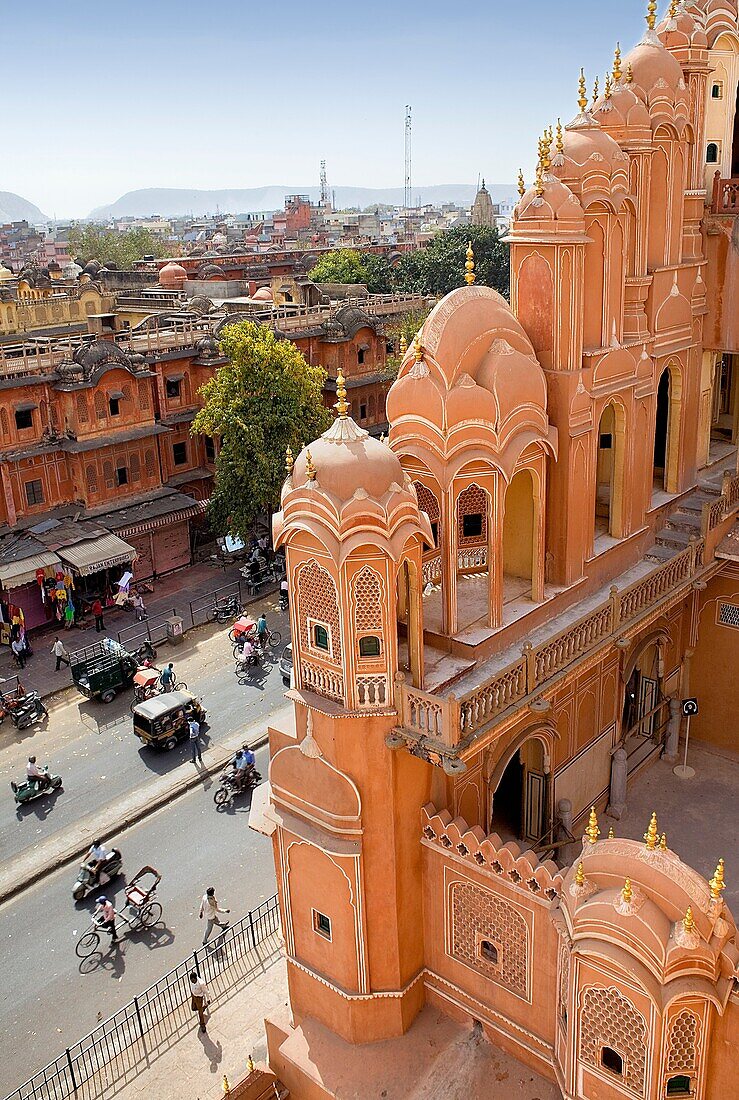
[
  {"x": 95, "y": 242},
  {"x": 265, "y": 399}
]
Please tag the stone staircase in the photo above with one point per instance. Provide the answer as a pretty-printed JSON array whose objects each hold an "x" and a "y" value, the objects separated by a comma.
[{"x": 685, "y": 522}]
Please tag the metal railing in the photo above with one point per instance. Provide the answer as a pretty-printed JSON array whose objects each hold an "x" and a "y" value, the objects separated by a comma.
[
  {"x": 126, "y": 1029},
  {"x": 152, "y": 629},
  {"x": 200, "y": 607}
]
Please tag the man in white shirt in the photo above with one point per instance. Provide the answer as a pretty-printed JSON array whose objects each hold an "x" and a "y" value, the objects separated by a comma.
[
  {"x": 96, "y": 856},
  {"x": 209, "y": 908},
  {"x": 60, "y": 653},
  {"x": 200, "y": 997},
  {"x": 35, "y": 773}
]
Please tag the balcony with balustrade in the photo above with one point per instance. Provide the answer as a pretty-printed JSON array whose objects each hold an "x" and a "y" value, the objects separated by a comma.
[
  {"x": 459, "y": 704},
  {"x": 725, "y": 198}
]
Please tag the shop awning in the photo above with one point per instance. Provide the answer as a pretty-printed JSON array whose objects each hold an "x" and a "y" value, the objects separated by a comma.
[
  {"x": 94, "y": 554},
  {"x": 15, "y": 573}
]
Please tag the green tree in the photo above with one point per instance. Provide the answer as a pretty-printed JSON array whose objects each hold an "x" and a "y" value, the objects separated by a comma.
[
  {"x": 95, "y": 242},
  {"x": 407, "y": 325},
  {"x": 264, "y": 400},
  {"x": 439, "y": 267},
  {"x": 344, "y": 265}
]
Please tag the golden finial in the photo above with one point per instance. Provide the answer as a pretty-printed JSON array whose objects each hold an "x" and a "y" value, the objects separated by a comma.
[
  {"x": 717, "y": 883},
  {"x": 688, "y": 920},
  {"x": 521, "y": 183},
  {"x": 611, "y": 834},
  {"x": 627, "y": 893},
  {"x": 651, "y": 834},
  {"x": 580, "y": 874},
  {"x": 608, "y": 92},
  {"x": 225, "y": 1086},
  {"x": 651, "y": 16},
  {"x": 403, "y": 344},
  {"x": 673, "y": 9},
  {"x": 289, "y": 461},
  {"x": 469, "y": 265},
  {"x": 663, "y": 843},
  {"x": 310, "y": 470},
  {"x": 417, "y": 349},
  {"x": 342, "y": 405},
  {"x": 596, "y": 91},
  {"x": 629, "y": 74},
  {"x": 546, "y": 152},
  {"x": 617, "y": 74},
  {"x": 592, "y": 832},
  {"x": 582, "y": 101},
  {"x": 560, "y": 139},
  {"x": 539, "y": 181},
  {"x": 250, "y": 1064}
]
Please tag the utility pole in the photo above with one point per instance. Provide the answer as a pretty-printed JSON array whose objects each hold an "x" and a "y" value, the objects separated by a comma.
[
  {"x": 325, "y": 193},
  {"x": 407, "y": 198}
]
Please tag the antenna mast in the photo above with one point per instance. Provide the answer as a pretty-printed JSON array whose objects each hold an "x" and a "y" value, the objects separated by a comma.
[
  {"x": 325, "y": 193},
  {"x": 407, "y": 197}
]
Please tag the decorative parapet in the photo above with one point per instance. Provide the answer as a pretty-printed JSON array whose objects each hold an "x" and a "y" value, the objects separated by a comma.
[
  {"x": 521, "y": 869},
  {"x": 725, "y": 199}
]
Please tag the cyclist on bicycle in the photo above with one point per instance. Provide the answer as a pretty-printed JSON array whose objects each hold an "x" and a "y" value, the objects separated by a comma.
[
  {"x": 106, "y": 914},
  {"x": 167, "y": 677},
  {"x": 262, "y": 630}
]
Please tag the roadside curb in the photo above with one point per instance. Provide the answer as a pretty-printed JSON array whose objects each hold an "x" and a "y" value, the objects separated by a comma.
[{"x": 75, "y": 840}]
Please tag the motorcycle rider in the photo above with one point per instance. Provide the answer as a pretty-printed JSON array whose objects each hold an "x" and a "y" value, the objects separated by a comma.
[
  {"x": 96, "y": 857},
  {"x": 36, "y": 774},
  {"x": 243, "y": 765}
]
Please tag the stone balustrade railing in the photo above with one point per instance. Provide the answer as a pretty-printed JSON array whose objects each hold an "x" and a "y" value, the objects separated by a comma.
[
  {"x": 372, "y": 691},
  {"x": 725, "y": 195},
  {"x": 322, "y": 681},
  {"x": 431, "y": 570},
  {"x": 448, "y": 719},
  {"x": 475, "y": 557}
]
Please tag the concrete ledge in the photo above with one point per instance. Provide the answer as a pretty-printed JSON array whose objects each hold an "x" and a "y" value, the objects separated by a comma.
[{"x": 70, "y": 843}]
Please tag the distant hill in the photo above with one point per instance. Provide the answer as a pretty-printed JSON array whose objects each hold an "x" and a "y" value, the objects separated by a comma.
[
  {"x": 14, "y": 208},
  {"x": 174, "y": 201}
]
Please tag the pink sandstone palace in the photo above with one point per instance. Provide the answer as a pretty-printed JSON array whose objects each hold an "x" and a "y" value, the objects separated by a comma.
[{"x": 497, "y": 614}]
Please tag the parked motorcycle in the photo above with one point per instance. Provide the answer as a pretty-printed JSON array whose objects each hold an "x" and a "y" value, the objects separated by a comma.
[
  {"x": 27, "y": 789},
  {"x": 89, "y": 880},
  {"x": 28, "y": 710},
  {"x": 145, "y": 653},
  {"x": 224, "y": 612},
  {"x": 230, "y": 786}
]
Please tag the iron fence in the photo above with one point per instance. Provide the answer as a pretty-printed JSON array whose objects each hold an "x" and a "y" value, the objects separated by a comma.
[
  {"x": 126, "y": 1029},
  {"x": 152, "y": 629},
  {"x": 201, "y": 607}
]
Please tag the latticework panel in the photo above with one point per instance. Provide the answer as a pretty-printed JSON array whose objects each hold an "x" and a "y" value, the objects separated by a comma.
[
  {"x": 150, "y": 463},
  {"x": 144, "y": 395},
  {"x": 91, "y": 476},
  {"x": 427, "y": 502},
  {"x": 476, "y": 912},
  {"x": 564, "y": 980},
  {"x": 683, "y": 1042},
  {"x": 608, "y": 1019},
  {"x": 82, "y": 412},
  {"x": 317, "y": 599},
  {"x": 471, "y": 501},
  {"x": 367, "y": 598}
]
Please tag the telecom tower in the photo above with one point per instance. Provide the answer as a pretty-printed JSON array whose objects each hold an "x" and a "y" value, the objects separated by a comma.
[
  {"x": 325, "y": 193},
  {"x": 407, "y": 197}
]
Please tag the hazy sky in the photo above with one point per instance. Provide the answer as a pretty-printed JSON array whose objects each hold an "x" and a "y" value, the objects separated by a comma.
[{"x": 104, "y": 98}]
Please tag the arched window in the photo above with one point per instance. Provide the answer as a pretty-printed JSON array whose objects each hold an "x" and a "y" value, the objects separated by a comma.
[
  {"x": 144, "y": 395},
  {"x": 679, "y": 1085},
  {"x": 135, "y": 466},
  {"x": 712, "y": 153},
  {"x": 150, "y": 463},
  {"x": 612, "y": 1060},
  {"x": 109, "y": 475},
  {"x": 91, "y": 476},
  {"x": 4, "y": 431},
  {"x": 82, "y": 411},
  {"x": 489, "y": 952},
  {"x": 101, "y": 406}
]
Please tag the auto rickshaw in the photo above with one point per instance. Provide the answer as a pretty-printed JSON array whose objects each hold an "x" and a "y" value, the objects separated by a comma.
[{"x": 162, "y": 722}]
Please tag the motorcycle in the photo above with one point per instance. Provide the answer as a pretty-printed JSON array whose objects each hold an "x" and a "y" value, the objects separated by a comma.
[
  {"x": 230, "y": 785},
  {"x": 145, "y": 654},
  {"x": 224, "y": 612},
  {"x": 27, "y": 789},
  {"x": 27, "y": 710},
  {"x": 90, "y": 880}
]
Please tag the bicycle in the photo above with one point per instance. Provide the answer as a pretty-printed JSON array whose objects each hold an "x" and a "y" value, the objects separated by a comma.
[{"x": 141, "y": 903}]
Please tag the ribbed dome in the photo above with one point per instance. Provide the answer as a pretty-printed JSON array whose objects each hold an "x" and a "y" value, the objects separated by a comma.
[
  {"x": 587, "y": 144},
  {"x": 651, "y": 63},
  {"x": 683, "y": 31},
  {"x": 557, "y": 203},
  {"x": 172, "y": 276},
  {"x": 349, "y": 461},
  {"x": 623, "y": 111}
]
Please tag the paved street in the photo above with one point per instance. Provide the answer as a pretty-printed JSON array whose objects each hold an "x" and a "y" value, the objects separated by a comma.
[
  {"x": 92, "y": 745},
  {"x": 194, "y": 846}
]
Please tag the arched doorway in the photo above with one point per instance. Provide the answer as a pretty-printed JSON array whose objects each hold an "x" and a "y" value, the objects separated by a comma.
[
  {"x": 410, "y": 623},
  {"x": 608, "y": 477},
  {"x": 661, "y": 432},
  {"x": 519, "y": 539},
  {"x": 645, "y": 708},
  {"x": 519, "y": 794},
  {"x": 735, "y": 144}
]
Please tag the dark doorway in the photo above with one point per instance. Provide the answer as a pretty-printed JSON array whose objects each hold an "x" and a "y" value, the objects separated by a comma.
[
  {"x": 735, "y": 145},
  {"x": 506, "y": 820},
  {"x": 661, "y": 428}
]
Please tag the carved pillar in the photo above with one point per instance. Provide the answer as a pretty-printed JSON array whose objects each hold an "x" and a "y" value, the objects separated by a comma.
[
  {"x": 495, "y": 553},
  {"x": 617, "y": 793},
  {"x": 672, "y": 736},
  {"x": 448, "y": 561}
]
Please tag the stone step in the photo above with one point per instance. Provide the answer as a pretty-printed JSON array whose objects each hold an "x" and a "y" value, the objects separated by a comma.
[
  {"x": 685, "y": 521},
  {"x": 660, "y": 553},
  {"x": 670, "y": 537},
  {"x": 695, "y": 502}
]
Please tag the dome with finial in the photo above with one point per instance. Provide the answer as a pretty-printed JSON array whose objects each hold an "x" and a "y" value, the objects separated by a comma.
[
  {"x": 347, "y": 479},
  {"x": 556, "y": 203},
  {"x": 681, "y": 30},
  {"x": 656, "y": 75},
  {"x": 172, "y": 276}
]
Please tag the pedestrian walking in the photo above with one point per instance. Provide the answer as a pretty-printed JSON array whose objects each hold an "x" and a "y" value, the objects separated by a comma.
[
  {"x": 60, "y": 653},
  {"x": 139, "y": 606},
  {"x": 105, "y": 912},
  {"x": 209, "y": 908},
  {"x": 97, "y": 610},
  {"x": 19, "y": 652},
  {"x": 167, "y": 677},
  {"x": 195, "y": 740},
  {"x": 199, "y": 997}
]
